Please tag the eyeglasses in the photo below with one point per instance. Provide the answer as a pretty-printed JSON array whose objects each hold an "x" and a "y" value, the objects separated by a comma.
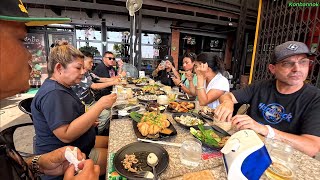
[
  {"x": 110, "y": 58},
  {"x": 290, "y": 64}
]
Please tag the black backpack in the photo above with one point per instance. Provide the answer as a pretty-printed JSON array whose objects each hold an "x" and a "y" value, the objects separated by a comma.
[{"x": 12, "y": 165}]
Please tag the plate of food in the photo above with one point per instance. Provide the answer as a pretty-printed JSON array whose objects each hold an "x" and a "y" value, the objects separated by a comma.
[
  {"x": 140, "y": 81},
  {"x": 185, "y": 97},
  {"x": 158, "y": 92},
  {"x": 130, "y": 80},
  {"x": 207, "y": 113},
  {"x": 152, "y": 125},
  {"x": 141, "y": 84},
  {"x": 147, "y": 98},
  {"x": 132, "y": 159},
  {"x": 182, "y": 106},
  {"x": 150, "y": 88},
  {"x": 137, "y": 92},
  {"x": 209, "y": 136},
  {"x": 123, "y": 106},
  {"x": 187, "y": 119},
  {"x": 153, "y": 106}
]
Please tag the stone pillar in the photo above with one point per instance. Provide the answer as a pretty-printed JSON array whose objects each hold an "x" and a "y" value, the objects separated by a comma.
[{"x": 175, "y": 37}]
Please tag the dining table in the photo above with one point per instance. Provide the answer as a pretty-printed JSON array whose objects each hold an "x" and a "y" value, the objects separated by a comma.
[{"x": 121, "y": 133}]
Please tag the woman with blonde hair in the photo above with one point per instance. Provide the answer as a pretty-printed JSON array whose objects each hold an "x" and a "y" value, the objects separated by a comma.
[{"x": 59, "y": 116}]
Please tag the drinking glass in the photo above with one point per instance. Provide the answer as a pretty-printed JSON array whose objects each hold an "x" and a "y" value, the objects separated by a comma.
[
  {"x": 119, "y": 89},
  {"x": 175, "y": 90},
  {"x": 282, "y": 166},
  {"x": 129, "y": 93},
  {"x": 172, "y": 96},
  {"x": 190, "y": 153}
]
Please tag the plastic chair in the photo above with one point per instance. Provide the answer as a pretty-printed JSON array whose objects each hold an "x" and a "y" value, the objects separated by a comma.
[
  {"x": 25, "y": 106},
  {"x": 7, "y": 134}
]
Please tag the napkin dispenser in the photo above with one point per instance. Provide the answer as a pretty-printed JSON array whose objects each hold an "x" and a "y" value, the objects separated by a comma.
[{"x": 245, "y": 156}]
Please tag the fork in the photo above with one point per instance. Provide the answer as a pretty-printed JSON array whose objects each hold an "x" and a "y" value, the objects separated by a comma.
[{"x": 143, "y": 174}]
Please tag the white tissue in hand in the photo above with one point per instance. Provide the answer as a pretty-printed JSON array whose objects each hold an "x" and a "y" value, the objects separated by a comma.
[{"x": 72, "y": 157}]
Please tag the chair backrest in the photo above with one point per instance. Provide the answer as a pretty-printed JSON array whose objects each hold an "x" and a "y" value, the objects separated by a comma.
[
  {"x": 7, "y": 135},
  {"x": 25, "y": 106}
]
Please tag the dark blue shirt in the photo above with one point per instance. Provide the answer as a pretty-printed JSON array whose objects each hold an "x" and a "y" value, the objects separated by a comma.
[
  {"x": 106, "y": 72},
  {"x": 53, "y": 106}
]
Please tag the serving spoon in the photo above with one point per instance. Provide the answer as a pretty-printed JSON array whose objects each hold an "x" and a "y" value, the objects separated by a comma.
[{"x": 152, "y": 161}]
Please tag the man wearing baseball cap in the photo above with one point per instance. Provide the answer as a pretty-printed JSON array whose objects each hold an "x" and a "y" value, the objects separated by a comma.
[
  {"x": 283, "y": 108},
  {"x": 14, "y": 76},
  {"x": 165, "y": 71}
]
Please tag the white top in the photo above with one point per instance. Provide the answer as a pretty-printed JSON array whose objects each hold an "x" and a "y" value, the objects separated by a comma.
[{"x": 219, "y": 82}]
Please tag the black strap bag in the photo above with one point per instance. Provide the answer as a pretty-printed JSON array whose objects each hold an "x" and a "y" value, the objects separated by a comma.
[{"x": 12, "y": 165}]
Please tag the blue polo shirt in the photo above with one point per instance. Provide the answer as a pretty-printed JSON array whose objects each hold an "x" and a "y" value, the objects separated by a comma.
[{"x": 53, "y": 106}]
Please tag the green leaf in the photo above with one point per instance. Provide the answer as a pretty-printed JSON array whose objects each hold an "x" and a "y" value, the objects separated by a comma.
[
  {"x": 208, "y": 136},
  {"x": 197, "y": 134},
  {"x": 136, "y": 116}
]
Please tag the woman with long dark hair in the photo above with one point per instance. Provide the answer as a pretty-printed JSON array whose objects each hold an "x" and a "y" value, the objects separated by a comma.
[
  {"x": 211, "y": 83},
  {"x": 188, "y": 79}
]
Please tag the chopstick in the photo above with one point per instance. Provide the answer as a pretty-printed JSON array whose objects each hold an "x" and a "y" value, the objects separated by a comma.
[
  {"x": 161, "y": 142},
  {"x": 187, "y": 96}
]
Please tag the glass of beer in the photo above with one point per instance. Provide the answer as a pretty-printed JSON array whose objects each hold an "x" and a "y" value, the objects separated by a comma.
[{"x": 282, "y": 166}]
